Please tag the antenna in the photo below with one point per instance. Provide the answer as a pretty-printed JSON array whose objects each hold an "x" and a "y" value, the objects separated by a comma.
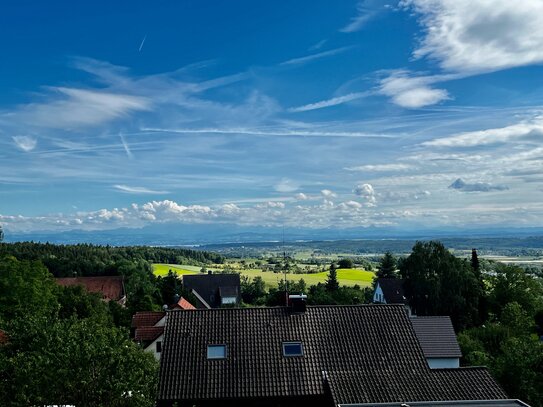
[{"x": 285, "y": 267}]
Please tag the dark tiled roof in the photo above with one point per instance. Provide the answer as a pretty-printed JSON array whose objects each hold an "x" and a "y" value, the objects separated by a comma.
[
  {"x": 228, "y": 291},
  {"x": 110, "y": 287},
  {"x": 146, "y": 318},
  {"x": 402, "y": 385},
  {"x": 208, "y": 285},
  {"x": 436, "y": 336},
  {"x": 375, "y": 341},
  {"x": 393, "y": 290},
  {"x": 148, "y": 333}
]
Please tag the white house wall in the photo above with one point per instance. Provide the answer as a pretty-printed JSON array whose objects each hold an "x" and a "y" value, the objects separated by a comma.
[{"x": 152, "y": 347}]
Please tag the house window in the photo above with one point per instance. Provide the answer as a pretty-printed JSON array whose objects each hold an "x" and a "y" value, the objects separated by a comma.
[
  {"x": 216, "y": 351},
  {"x": 158, "y": 347},
  {"x": 293, "y": 349}
]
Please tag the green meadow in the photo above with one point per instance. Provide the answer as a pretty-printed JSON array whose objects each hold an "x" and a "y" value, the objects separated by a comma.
[{"x": 348, "y": 277}]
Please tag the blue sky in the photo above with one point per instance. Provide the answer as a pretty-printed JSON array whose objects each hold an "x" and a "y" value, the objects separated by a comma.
[{"x": 304, "y": 114}]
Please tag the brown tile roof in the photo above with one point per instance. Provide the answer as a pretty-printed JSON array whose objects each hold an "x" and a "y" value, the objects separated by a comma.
[
  {"x": 376, "y": 342},
  {"x": 146, "y": 318},
  {"x": 182, "y": 304},
  {"x": 436, "y": 336},
  {"x": 111, "y": 287},
  {"x": 148, "y": 333}
]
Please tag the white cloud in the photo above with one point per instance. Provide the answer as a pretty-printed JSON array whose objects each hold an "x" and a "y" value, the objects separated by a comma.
[
  {"x": 366, "y": 10},
  {"x": 483, "y": 35},
  {"x": 80, "y": 107},
  {"x": 328, "y": 194},
  {"x": 138, "y": 190},
  {"x": 525, "y": 129},
  {"x": 367, "y": 192},
  {"x": 25, "y": 143},
  {"x": 301, "y": 197},
  {"x": 329, "y": 102},
  {"x": 380, "y": 167},
  {"x": 412, "y": 92},
  {"x": 286, "y": 185}
]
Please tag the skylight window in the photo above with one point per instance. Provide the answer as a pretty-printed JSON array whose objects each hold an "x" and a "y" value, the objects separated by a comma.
[
  {"x": 292, "y": 349},
  {"x": 216, "y": 351}
]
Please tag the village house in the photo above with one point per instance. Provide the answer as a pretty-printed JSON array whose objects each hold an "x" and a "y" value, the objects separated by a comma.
[
  {"x": 110, "y": 288},
  {"x": 438, "y": 341},
  {"x": 214, "y": 290},
  {"x": 315, "y": 355}
]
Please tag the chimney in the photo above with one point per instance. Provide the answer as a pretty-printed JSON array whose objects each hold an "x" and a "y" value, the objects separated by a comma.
[{"x": 297, "y": 303}]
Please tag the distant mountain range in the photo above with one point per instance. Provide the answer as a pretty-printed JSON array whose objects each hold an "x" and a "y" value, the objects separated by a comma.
[{"x": 206, "y": 234}]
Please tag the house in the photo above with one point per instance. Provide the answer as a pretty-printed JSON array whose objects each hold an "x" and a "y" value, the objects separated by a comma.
[
  {"x": 147, "y": 329},
  {"x": 214, "y": 290},
  {"x": 111, "y": 288},
  {"x": 316, "y": 355},
  {"x": 389, "y": 291},
  {"x": 438, "y": 341}
]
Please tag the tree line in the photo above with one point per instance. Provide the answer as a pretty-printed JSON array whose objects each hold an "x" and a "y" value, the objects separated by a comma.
[{"x": 94, "y": 260}]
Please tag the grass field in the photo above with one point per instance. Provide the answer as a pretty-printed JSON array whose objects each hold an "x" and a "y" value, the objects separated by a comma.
[{"x": 348, "y": 277}]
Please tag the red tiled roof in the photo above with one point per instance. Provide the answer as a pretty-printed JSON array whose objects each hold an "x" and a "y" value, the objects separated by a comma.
[
  {"x": 183, "y": 304},
  {"x": 148, "y": 333},
  {"x": 111, "y": 287},
  {"x": 146, "y": 318}
]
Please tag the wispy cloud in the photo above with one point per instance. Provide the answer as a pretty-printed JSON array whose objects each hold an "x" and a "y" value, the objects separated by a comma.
[
  {"x": 313, "y": 57},
  {"x": 366, "y": 10},
  {"x": 330, "y": 102},
  {"x": 138, "y": 190},
  {"x": 25, "y": 143},
  {"x": 380, "y": 167},
  {"x": 523, "y": 130}
]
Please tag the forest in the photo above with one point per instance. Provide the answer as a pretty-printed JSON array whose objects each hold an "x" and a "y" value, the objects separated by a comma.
[{"x": 72, "y": 348}]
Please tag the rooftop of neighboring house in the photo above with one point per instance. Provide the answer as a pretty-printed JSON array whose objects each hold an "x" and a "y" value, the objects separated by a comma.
[
  {"x": 147, "y": 318},
  {"x": 182, "y": 304},
  {"x": 351, "y": 354},
  {"x": 147, "y": 334},
  {"x": 209, "y": 287},
  {"x": 110, "y": 287},
  {"x": 392, "y": 290},
  {"x": 436, "y": 337}
]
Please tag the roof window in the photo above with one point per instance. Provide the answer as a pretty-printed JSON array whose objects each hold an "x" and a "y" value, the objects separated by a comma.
[
  {"x": 216, "y": 351},
  {"x": 293, "y": 349}
]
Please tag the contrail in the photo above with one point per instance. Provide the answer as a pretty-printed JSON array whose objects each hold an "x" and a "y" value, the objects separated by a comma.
[
  {"x": 126, "y": 147},
  {"x": 142, "y": 42}
]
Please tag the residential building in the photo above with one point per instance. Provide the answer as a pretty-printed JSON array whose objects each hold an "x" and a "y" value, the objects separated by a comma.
[
  {"x": 111, "y": 288},
  {"x": 214, "y": 290},
  {"x": 438, "y": 341},
  {"x": 316, "y": 355}
]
